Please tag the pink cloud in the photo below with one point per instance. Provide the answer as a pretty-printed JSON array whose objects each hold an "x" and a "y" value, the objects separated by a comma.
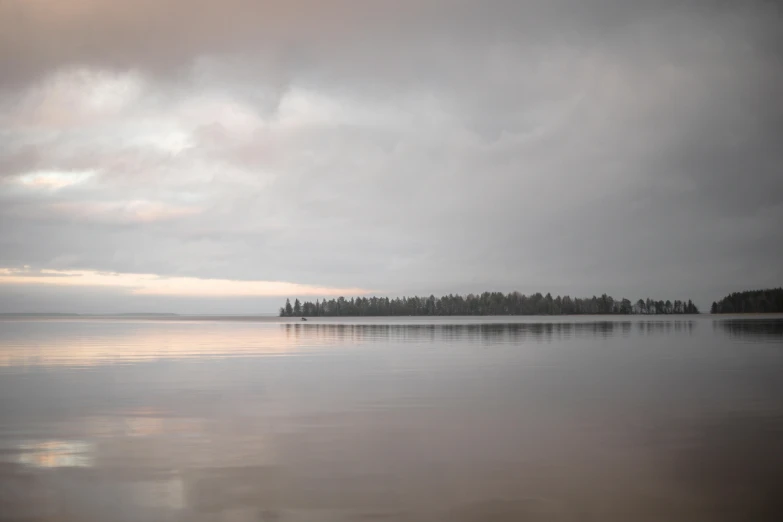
[
  {"x": 152, "y": 284},
  {"x": 134, "y": 211}
]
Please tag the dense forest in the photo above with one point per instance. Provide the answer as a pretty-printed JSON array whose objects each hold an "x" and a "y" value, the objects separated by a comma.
[
  {"x": 488, "y": 303},
  {"x": 750, "y": 302}
]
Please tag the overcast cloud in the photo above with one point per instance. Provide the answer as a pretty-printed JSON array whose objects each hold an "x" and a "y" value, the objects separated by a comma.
[{"x": 424, "y": 146}]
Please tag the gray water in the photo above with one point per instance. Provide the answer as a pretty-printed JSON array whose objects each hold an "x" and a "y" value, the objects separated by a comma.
[{"x": 236, "y": 419}]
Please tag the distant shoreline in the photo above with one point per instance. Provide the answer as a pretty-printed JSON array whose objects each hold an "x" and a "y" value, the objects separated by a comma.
[
  {"x": 484, "y": 304},
  {"x": 270, "y": 318},
  {"x": 66, "y": 314}
]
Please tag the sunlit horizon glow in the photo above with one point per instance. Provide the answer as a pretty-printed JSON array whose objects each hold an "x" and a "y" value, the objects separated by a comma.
[{"x": 153, "y": 284}]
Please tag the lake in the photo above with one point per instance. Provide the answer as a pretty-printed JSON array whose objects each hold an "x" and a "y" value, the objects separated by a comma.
[{"x": 610, "y": 418}]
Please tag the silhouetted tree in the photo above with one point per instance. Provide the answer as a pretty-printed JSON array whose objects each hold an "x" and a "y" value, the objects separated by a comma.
[
  {"x": 752, "y": 301},
  {"x": 487, "y": 303}
]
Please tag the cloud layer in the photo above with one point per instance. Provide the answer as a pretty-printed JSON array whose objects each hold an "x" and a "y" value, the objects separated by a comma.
[{"x": 572, "y": 147}]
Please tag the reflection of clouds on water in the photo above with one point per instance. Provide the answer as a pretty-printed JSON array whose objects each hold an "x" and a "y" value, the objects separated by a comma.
[
  {"x": 607, "y": 419},
  {"x": 143, "y": 426},
  {"x": 144, "y": 422},
  {"x": 168, "y": 493},
  {"x": 147, "y": 437},
  {"x": 56, "y": 454},
  {"x": 139, "y": 424},
  {"x": 88, "y": 344}
]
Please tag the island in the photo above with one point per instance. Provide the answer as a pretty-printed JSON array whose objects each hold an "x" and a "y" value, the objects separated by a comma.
[{"x": 487, "y": 303}]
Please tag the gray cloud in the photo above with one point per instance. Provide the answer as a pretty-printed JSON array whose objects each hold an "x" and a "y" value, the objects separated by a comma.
[{"x": 577, "y": 147}]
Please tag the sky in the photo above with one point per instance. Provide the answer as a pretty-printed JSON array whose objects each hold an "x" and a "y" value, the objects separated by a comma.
[{"x": 217, "y": 157}]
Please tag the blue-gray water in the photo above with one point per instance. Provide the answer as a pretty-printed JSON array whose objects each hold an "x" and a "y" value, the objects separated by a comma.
[{"x": 583, "y": 419}]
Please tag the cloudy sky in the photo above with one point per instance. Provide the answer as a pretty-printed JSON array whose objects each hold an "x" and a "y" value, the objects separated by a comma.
[{"x": 215, "y": 157}]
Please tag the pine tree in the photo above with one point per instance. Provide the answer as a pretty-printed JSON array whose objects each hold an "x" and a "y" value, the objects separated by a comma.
[{"x": 514, "y": 303}]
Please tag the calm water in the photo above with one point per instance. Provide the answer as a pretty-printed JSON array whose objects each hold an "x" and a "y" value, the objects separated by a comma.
[{"x": 561, "y": 419}]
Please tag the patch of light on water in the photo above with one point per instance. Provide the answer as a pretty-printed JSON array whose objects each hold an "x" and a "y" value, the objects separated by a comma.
[{"x": 56, "y": 454}]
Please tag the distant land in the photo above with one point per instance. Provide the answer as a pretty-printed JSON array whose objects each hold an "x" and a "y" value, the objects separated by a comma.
[
  {"x": 143, "y": 313},
  {"x": 59, "y": 314},
  {"x": 487, "y": 303},
  {"x": 36, "y": 314},
  {"x": 767, "y": 301}
]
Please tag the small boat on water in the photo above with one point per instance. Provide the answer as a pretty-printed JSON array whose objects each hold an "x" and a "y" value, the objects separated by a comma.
[{"x": 304, "y": 318}]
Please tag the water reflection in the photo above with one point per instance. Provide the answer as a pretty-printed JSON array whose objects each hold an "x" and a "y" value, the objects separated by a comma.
[
  {"x": 611, "y": 420},
  {"x": 91, "y": 343},
  {"x": 759, "y": 329},
  {"x": 495, "y": 333},
  {"x": 55, "y": 454},
  {"x": 86, "y": 343}
]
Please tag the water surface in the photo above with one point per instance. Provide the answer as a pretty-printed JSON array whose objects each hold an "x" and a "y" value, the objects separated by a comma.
[{"x": 498, "y": 419}]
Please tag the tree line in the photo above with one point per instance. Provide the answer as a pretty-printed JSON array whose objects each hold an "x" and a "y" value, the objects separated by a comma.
[
  {"x": 487, "y": 303},
  {"x": 750, "y": 302}
]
